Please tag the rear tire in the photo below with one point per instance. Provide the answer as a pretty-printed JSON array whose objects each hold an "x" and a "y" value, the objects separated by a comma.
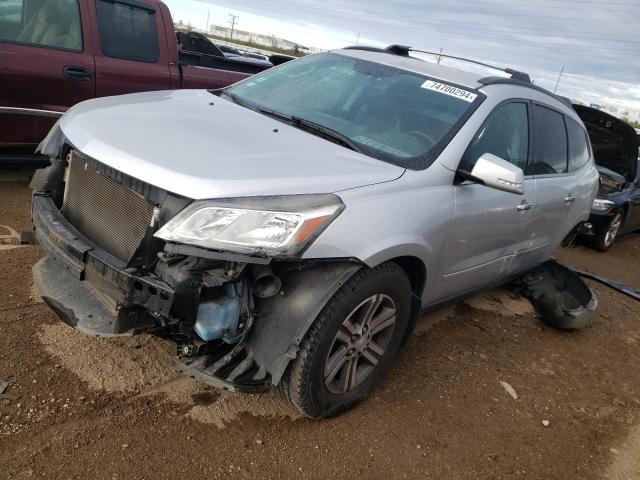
[
  {"x": 609, "y": 234},
  {"x": 351, "y": 342}
]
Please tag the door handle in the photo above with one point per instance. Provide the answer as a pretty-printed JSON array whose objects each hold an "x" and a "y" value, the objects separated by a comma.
[
  {"x": 77, "y": 73},
  {"x": 569, "y": 198},
  {"x": 524, "y": 206}
]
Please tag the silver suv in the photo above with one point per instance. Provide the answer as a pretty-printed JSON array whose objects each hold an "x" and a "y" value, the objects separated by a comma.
[{"x": 290, "y": 228}]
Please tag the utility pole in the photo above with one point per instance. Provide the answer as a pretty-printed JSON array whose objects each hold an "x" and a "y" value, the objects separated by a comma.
[
  {"x": 440, "y": 56},
  {"x": 206, "y": 28},
  {"x": 358, "y": 39},
  {"x": 232, "y": 21},
  {"x": 558, "y": 82}
]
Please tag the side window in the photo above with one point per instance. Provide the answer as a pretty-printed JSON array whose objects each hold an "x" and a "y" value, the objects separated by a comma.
[
  {"x": 46, "y": 23},
  {"x": 550, "y": 147},
  {"x": 127, "y": 32},
  {"x": 578, "y": 145},
  {"x": 504, "y": 134}
]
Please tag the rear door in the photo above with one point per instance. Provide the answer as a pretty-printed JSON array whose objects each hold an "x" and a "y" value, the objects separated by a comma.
[
  {"x": 132, "y": 54},
  {"x": 556, "y": 187},
  {"x": 581, "y": 173},
  {"x": 46, "y": 63},
  {"x": 489, "y": 225}
]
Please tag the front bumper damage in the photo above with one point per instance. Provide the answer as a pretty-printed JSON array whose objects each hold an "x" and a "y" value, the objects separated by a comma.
[
  {"x": 95, "y": 294},
  {"x": 109, "y": 301},
  {"x": 99, "y": 295}
]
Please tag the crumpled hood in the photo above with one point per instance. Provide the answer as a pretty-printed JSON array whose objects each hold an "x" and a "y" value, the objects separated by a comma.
[{"x": 198, "y": 145}]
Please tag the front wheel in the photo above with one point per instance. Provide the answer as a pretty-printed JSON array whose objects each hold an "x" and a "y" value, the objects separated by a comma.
[{"x": 351, "y": 342}]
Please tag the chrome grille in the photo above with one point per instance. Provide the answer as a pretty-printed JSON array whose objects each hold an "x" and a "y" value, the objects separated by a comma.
[{"x": 111, "y": 215}]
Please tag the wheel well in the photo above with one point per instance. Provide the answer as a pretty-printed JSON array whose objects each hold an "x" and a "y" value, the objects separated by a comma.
[
  {"x": 416, "y": 271},
  {"x": 571, "y": 236}
]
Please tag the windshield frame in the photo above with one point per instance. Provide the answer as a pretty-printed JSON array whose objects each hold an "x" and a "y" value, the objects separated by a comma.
[{"x": 419, "y": 162}]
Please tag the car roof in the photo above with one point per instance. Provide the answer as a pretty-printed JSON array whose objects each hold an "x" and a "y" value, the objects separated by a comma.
[
  {"x": 460, "y": 77},
  {"x": 416, "y": 65}
]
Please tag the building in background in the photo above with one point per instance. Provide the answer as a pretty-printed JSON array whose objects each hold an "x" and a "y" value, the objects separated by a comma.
[{"x": 266, "y": 41}]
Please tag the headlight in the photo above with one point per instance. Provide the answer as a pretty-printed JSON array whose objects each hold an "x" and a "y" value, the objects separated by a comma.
[
  {"x": 602, "y": 205},
  {"x": 266, "y": 226}
]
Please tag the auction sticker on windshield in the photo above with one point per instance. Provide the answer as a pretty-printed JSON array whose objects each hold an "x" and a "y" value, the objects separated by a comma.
[{"x": 460, "y": 93}]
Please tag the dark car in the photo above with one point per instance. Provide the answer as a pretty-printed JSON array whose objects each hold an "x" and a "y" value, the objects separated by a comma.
[
  {"x": 198, "y": 43},
  {"x": 616, "y": 209}
]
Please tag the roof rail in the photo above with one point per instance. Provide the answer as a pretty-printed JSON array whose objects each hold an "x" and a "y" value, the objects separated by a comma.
[
  {"x": 516, "y": 81},
  {"x": 516, "y": 78},
  {"x": 515, "y": 74},
  {"x": 404, "y": 51},
  {"x": 366, "y": 48},
  {"x": 401, "y": 50}
]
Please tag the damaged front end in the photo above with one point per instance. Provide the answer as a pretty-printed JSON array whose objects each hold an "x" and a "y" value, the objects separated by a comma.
[{"x": 236, "y": 317}]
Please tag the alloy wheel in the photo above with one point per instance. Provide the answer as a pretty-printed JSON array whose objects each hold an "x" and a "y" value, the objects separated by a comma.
[
  {"x": 360, "y": 344},
  {"x": 613, "y": 229}
]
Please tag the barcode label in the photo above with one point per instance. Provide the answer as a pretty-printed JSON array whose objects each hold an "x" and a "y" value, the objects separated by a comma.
[{"x": 460, "y": 93}]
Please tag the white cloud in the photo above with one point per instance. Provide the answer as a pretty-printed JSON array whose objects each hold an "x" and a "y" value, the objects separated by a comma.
[{"x": 596, "y": 43}]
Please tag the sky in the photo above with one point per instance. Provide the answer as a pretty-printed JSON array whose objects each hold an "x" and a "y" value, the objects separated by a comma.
[{"x": 597, "y": 42}]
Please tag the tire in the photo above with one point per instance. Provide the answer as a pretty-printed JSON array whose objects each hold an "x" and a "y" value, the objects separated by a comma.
[
  {"x": 314, "y": 382},
  {"x": 609, "y": 234}
]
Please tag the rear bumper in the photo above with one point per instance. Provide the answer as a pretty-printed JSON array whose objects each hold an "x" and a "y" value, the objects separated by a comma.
[{"x": 88, "y": 288}]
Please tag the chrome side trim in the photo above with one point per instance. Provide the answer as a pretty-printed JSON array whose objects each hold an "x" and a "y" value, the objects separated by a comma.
[{"x": 31, "y": 111}]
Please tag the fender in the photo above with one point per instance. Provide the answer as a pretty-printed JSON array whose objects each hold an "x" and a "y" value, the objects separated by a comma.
[{"x": 284, "y": 319}]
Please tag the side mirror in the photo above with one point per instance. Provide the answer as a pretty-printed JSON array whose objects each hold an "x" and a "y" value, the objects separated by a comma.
[{"x": 495, "y": 172}]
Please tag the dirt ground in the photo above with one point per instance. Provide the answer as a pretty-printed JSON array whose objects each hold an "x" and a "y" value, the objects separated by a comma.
[{"x": 81, "y": 407}]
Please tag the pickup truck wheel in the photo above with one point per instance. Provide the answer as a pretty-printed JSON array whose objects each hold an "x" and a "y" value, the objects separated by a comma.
[
  {"x": 609, "y": 234},
  {"x": 351, "y": 342}
]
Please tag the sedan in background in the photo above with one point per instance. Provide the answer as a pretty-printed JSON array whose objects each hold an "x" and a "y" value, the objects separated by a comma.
[{"x": 616, "y": 209}]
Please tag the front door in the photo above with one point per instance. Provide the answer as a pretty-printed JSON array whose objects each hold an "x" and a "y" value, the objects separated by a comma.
[
  {"x": 488, "y": 227},
  {"x": 45, "y": 65}
]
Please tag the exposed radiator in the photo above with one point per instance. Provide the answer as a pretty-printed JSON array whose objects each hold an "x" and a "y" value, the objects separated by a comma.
[{"x": 111, "y": 215}]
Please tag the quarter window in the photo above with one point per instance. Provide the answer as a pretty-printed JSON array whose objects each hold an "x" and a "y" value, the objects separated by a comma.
[
  {"x": 505, "y": 134},
  {"x": 578, "y": 146},
  {"x": 46, "y": 23},
  {"x": 127, "y": 32},
  {"x": 550, "y": 148}
]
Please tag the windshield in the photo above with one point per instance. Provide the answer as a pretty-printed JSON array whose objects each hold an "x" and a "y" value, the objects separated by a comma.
[{"x": 385, "y": 112}]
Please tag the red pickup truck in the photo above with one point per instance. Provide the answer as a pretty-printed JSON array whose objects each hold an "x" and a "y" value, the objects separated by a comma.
[{"x": 55, "y": 53}]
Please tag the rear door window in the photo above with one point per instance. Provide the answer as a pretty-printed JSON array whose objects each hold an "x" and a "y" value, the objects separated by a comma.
[
  {"x": 550, "y": 146},
  {"x": 504, "y": 134},
  {"x": 578, "y": 145},
  {"x": 44, "y": 23},
  {"x": 128, "y": 31}
]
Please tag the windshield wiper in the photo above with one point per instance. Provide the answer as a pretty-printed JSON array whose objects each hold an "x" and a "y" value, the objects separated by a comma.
[
  {"x": 326, "y": 132},
  {"x": 273, "y": 113},
  {"x": 312, "y": 127},
  {"x": 234, "y": 98}
]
